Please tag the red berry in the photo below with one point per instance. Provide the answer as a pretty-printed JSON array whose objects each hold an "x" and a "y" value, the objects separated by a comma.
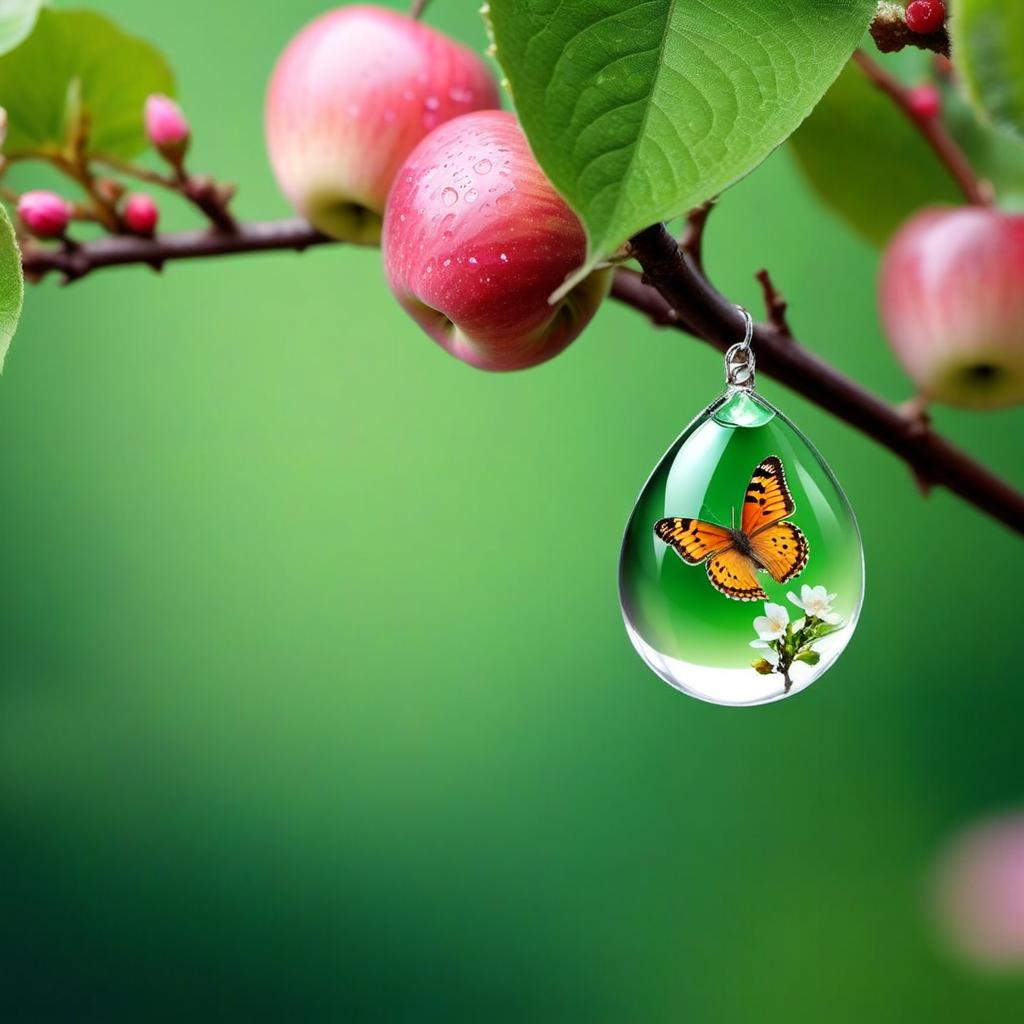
[
  {"x": 926, "y": 16},
  {"x": 925, "y": 101}
]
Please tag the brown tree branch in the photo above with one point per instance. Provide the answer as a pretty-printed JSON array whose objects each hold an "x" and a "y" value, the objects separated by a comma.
[
  {"x": 714, "y": 319},
  {"x": 681, "y": 298},
  {"x": 931, "y": 128},
  {"x": 119, "y": 250}
]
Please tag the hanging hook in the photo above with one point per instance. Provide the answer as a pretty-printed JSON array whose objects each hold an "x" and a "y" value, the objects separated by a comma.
[{"x": 739, "y": 359}]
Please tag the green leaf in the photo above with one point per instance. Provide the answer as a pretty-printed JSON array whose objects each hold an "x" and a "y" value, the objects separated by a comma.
[
  {"x": 809, "y": 657},
  {"x": 866, "y": 161},
  {"x": 638, "y": 110},
  {"x": 11, "y": 286},
  {"x": 16, "y": 20},
  {"x": 116, "y": 73},
  {"x": 988, "y": 46},
  {"x": 997, "y": 155}
]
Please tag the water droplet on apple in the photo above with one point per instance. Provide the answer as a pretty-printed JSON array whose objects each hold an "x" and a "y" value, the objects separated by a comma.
[
  {"x": 482, "y": 166},
  {"x": 471, "y": 195},
  {"x": 449, "y": 196},
  {"x": 503, "y": 257},
  {"x": 432, "y": 103},
  {"x": 472, "y": 259}
]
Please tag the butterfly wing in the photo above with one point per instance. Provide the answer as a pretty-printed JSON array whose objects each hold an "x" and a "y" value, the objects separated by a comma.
[
  {"x": 693, "y": 539},
  {"x": 735, "y": 575},
  {"x": 767, "y": 499},
  {"x": 782, "y": 549}
]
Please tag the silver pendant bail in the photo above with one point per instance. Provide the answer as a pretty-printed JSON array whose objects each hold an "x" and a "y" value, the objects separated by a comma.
[{"x": 739, "y": 359}]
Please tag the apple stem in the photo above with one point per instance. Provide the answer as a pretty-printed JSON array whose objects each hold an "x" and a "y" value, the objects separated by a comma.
[{"x": 976, "y": 191}]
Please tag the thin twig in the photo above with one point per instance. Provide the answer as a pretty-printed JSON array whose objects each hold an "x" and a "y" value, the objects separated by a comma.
[
  {"x": 416, "y": 9},
  {"x": 132, "y": 170},
  {"x": 692, "y": 242},
  {"x": 933, "y": 131},
  {"x": 774, "y": 303},
  {"x": 681, "y": 298},
  {"x": 119, "y": 250}
]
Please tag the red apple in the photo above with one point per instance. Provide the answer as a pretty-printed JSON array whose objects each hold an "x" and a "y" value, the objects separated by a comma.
[
  {"x": 349, "y": 99},
  {"x": 475, "y": 241},
  {"x": 952, "y": 302}
]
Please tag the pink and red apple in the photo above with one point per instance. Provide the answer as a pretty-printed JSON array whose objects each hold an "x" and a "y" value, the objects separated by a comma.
[
  {"x": 951, "y": 295},
  {"x": 349, "y": 99},
  {"x": 475, "y": 241}
]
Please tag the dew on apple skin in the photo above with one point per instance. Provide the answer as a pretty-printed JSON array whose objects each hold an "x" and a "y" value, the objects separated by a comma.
[
  {"x": 482, "y": 166},
  {"x": 503, "y": 257},
  {"x": 449, "y": 196},
  {"x": 471, "y": 195},
  {"x": 472, "y": 260},
  {"x": 689, "y": 634},
  {"x": 432, "y": 103}
]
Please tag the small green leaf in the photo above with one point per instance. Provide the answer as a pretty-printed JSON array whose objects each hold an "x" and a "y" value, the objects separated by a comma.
[
  {"x": 988, "y": 46},
  {"x": 809, "y": 657},
  {"x": 16, "y": 20},
  {"x": 116, "y": 72},
  {"x": 866, "y": 161},
  {"x": 11, "y": 286},
  {"x": 640, "y": 109}
]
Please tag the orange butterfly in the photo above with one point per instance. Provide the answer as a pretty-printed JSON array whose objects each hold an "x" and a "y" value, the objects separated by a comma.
[{"x": 762, "y": 544}]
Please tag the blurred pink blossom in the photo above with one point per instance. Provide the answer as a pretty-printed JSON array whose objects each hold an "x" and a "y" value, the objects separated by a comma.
[{"x": 980, "y": 892}]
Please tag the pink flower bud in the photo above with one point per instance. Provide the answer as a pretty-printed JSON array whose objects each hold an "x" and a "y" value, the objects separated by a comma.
[
  {"x": 925, "y": 101},
  {"x": 45, "y": 214},
  {"x": 141, "y": 213},
  {"x": 165, "y": 124}
]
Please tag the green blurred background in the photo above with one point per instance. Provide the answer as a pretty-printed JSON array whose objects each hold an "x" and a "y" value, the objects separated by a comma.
[{"x": 261, "y": 759}]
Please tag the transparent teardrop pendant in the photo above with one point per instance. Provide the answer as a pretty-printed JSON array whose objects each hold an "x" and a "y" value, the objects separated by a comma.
[{"x": 741, "y": 492}]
